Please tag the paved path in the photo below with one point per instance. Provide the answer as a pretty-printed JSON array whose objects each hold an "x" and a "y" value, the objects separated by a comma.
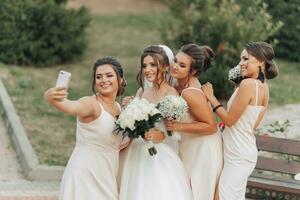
[{"x": 13, "y": 186}]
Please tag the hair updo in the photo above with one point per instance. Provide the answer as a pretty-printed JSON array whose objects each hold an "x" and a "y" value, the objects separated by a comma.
[
  {"x": 202, "y": 56},
  {"x": 116, "y": 67},
  {"x": 263, "y": 51}
]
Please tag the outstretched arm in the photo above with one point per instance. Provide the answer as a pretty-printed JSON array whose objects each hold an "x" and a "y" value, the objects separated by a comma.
[{"x": 58, "y": 98}]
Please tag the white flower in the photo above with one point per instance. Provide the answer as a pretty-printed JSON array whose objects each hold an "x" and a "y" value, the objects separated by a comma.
[
  {"x": 297, "y": 177},
  {"x": 137, "y": 110},
  {"x": 154, "y": 111},
  {"x": 234, "y": 73},
  {"x": 173, "y": 107}
]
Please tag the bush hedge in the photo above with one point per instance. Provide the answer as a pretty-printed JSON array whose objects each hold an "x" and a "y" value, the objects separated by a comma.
[{"x": 36, "y": 32}]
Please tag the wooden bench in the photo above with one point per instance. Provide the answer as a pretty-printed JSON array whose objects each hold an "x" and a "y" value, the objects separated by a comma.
[{"x": 266, "y": 185}]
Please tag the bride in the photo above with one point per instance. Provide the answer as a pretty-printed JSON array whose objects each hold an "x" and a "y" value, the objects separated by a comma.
[{"x": 161, "y": 176}]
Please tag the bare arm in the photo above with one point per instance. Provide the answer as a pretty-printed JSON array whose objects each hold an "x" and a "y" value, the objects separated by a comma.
[
  {"x": 58, "y": 98},
  {"x": 239, "y": 104},
  {"x": 199, "y": 108}
]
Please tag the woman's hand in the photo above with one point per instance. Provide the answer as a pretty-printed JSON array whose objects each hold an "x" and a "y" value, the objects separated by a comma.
[
  {"x": 154, "y": 136},
  {"x": 125, "y": 143},
  {"x": 126, "y": 100},
  {"x": 208, "y": 90},
  {"x": 55, "y": 94},
  {"x": 172, "y": 125}
]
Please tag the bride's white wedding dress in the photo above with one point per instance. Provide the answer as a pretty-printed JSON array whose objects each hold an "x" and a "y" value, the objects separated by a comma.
[{"x": 158, "y": 177}]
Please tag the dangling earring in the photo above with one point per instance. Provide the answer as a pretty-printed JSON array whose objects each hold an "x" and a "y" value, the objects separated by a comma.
[{"x": 261, "y": 75}]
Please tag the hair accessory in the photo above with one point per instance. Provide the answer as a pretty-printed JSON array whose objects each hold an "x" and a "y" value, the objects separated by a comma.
[{"x": 168, "y": 52}]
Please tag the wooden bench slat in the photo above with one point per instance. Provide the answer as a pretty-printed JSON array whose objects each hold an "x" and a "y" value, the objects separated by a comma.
[
  {"x": 268, "y": 185},
  {"x": 278, "y": 145},
  {"x": 272, "y": 185},
  {"x": 277, "y": 165}
]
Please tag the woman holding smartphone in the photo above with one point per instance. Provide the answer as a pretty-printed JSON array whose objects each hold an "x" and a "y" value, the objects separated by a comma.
[{"x": 92, "y": 168}]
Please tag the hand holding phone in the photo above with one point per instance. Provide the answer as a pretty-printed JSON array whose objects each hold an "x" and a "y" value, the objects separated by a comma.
[{"x": 63, "y": 79}]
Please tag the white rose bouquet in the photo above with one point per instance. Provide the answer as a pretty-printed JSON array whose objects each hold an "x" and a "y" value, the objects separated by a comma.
[
  {"x": 138, "y": 118},
  {"x": 173, "y": 107}
]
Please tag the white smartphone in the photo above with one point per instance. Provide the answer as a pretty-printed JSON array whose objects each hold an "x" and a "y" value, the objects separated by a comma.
[{"x": 63, "y": 79}]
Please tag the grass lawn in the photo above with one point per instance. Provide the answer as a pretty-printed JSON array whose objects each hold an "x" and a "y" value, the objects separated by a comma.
[
  {"x": 285, "y": 89},
  {"x": 52, "y": 133}
]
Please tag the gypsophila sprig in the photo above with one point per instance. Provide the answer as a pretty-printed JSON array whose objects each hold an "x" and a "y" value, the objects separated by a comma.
[
  {"x": 138, "y": 118},
  {"x": 235, "y": 74},
  {"x": 173, "y": 107}
]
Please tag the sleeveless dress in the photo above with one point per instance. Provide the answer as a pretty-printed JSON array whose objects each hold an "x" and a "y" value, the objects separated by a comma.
[
  {"x": 91, "y": 171},
  {"x": 240, "y": 152},
  {"x": 158, "y": 177},
  {"x": 202, "y": 156}
]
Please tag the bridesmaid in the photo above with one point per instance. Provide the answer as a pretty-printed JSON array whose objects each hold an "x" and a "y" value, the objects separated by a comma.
[
  {"x": 245, "y": 110},
  {"x": 92, "y": 168},
  {"x": 201, "y": 144}
]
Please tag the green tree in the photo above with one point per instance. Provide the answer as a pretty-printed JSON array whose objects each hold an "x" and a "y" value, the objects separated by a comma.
[
  {"x": 224, "y": 26},
  {"x": 287, "y": 11},
  {"x": 40, "y": 32}
]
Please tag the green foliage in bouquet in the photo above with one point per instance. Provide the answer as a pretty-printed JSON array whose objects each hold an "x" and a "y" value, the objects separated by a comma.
[
  {"x": 140, "y": 128},
  {"x": 37, "y": 32},
  {"x": 224, "y": 26}
]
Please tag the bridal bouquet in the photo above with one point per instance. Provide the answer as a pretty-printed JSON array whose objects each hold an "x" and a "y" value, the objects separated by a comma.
[
  {"x": 235, "y": 74},
  {"x": 172, "y": 107},
  {"x": 138, "y": 118}
]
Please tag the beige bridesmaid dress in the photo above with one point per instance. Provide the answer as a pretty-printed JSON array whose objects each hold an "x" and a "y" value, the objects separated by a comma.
[
  {"x": 202, "y": 156},
  {"x": 240, "y": 152},
  {"x": 92, "y": 169}
]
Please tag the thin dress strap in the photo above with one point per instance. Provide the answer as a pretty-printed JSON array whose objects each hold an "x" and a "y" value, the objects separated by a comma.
[
  {"x": 101, "y": 107},
  {"x": 256, "y": 93}
]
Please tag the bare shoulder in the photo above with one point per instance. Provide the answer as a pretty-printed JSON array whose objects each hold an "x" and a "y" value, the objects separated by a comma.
[
  {"x": 172, "y": 91},
  {"x": 89, "y": 101},
  {"x": 193, "y": 95},
  {"x": 247, "y": 84}
]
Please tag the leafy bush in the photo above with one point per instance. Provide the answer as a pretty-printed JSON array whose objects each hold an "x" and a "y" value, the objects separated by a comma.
[
  {"x": 60, "y": 1},
  {"x": 40, "y": 32},
  {"x": 288, "y": 12},
  {"x": 222, "y": 25}
]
